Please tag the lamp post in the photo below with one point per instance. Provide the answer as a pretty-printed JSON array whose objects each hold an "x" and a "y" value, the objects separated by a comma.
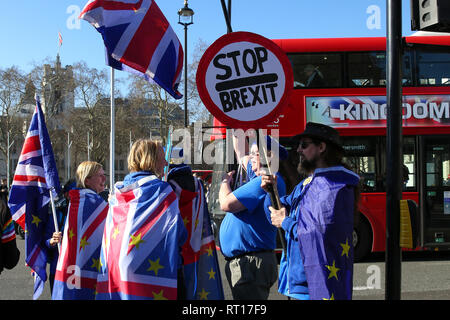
[{"x": 185, "y": 18}]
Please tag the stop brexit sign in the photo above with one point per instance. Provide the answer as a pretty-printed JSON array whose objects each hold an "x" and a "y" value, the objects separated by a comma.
[{"x": 244, "y": 80}]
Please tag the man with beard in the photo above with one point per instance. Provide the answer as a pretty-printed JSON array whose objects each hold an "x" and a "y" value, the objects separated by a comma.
[{"x": 318, "y": 219}]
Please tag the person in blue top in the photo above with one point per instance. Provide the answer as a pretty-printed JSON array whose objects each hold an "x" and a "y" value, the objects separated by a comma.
[
  {"x": 318, "y": 217},
  {"x": 247, "y": 238},
  {"x": 292, "y": 277}
]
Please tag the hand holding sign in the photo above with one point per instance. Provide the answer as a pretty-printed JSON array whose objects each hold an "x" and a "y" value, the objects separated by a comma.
[{"x": 245, "y": 80}]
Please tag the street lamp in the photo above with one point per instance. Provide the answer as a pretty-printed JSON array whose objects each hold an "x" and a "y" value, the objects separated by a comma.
[{"x": 185, "y": 18}]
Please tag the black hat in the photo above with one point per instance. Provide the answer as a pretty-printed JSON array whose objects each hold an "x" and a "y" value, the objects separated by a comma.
[{"x": 320, "y": 132}]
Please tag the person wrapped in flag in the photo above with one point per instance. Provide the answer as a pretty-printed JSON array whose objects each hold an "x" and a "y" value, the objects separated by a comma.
[
  {"x": 325, "y": 208},
  {"x": 79, "y": 261},
  {"x": 201, "y": 273},
  {"x": 144, "y": 232}
]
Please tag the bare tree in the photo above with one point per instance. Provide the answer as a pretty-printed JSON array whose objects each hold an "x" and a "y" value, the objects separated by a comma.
[
  {"x": 197, "y": 110},
  {"x": 156, "y": 108},
  {"x": 92, "y": 114},
  {"x": 12, "y": 89}
]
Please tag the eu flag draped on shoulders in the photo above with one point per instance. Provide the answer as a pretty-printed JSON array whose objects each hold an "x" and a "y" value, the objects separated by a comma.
[
  {"x": 202, "y": 277},
  {"x": 325, "y": 233},
  {"x": 79, "y": 260},
  {"x": 144, "y": 232},
  {"x": 138, "y": 39},
  {"x": 36, "y": 175}
]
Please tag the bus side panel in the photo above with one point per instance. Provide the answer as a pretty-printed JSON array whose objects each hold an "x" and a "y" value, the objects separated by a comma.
[{"x": 373, "y": 207}]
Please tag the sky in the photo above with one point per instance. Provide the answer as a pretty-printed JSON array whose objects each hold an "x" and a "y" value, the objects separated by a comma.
[{"x": 29, "y": 28}]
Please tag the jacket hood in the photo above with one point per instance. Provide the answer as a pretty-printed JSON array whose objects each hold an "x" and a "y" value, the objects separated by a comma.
[{"x": 338, "y": 174}]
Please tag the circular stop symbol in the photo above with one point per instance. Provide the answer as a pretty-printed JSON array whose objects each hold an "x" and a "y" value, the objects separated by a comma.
[{"x": 244, "y": 80}]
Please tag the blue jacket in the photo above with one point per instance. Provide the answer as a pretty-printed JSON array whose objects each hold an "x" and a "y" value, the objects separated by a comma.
[{"x": 292, "y": 277}]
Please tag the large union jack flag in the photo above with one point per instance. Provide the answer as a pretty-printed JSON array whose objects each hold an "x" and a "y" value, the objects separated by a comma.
[
  {"x": 201, "y": 267},
  {"x": 79, "y": 260},
  {"x": 35, "y": 176},
  {"x": 140, "y": 255},
  {"x": 138, "y": 39}
]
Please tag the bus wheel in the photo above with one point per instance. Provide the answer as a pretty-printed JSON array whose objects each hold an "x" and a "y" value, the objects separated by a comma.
[{"x": 362, "y": 239}]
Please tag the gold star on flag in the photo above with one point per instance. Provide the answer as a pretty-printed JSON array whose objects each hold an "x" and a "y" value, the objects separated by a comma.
[
  {"x": 331, "y": 298},
  {"x": 71, "y": 234},
  {"x": 211, "y": 274},
  {"x": 185, "y": 221},
  {"x": 196, "y": 223},
  {"x": 345, "y": 248},
  {"x": 83, "y": 243},
  {"x": 96, "y": 264},
  {"x": 333, "y": 271},
  {"x": 136, "y": 241},
  {"x": 36, "y": 220},
  {"x": 159, "y": 296},
  {"x": 203, "y": 294},
  {"x": 116, "y": 233},
  {"x": 154, "y": 266},
  {"x": 210, "y": 251}
]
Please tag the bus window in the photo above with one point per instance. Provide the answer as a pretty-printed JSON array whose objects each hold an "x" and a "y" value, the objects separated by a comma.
[
  {"x": 437, "y": 170},
  {"x": 316, "y": 70},
  {"x": 433, "y": 67},
  {"x": 360, "y": 156},
  {"x": 369, "y": 69},
  {"x": 409, "y": 162}
]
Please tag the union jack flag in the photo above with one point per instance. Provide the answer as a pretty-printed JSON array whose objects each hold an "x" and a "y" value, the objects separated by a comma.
[
  {"x": 140, "y": 255},
  {"x": 35, "y": 175},
  {"x": 79, "y": 260},
  {"x": 201, "y": 267},
  {"x": 138, "y": 39}
]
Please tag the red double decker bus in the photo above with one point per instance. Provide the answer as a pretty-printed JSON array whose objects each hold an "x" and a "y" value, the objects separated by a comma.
[{"x": 341, "y": 82}]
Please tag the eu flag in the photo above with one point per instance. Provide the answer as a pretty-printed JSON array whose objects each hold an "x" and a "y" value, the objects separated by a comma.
[{"x": 325, "y": 233}]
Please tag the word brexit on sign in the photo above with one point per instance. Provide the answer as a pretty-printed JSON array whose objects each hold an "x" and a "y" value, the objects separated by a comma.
[{"x": 244, "y": 79}]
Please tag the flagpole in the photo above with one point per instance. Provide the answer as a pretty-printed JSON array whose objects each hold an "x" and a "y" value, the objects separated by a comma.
[
  {"x": 55, "y": 219},
  {"x": 111, "y": 147}
]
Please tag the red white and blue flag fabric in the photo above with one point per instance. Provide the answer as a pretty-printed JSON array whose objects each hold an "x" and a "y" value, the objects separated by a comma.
[
  {"x": 35, "y": 176},
  {"x": 201, "y": 267},
  {"x": 138, "y": 39},
  {"x": 79, "y": 260},
  {"x": 144, "y": 232}
]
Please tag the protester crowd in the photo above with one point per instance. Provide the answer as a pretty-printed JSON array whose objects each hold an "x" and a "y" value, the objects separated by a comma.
[{"x": 152, "y": 238}]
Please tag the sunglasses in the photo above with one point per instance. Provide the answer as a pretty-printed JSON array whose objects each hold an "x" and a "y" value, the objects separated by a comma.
[
  {"x": 254, "y": 154},
  {"x": 305, "y": 144}
]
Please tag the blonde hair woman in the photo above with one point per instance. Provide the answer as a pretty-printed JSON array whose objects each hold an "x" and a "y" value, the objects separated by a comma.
[
  {"x": 147, "y": 155},
  {"x": 83, "y": 234},
  {"x": 145, "y": 219},
  {"x": 90, "y": 175}
]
